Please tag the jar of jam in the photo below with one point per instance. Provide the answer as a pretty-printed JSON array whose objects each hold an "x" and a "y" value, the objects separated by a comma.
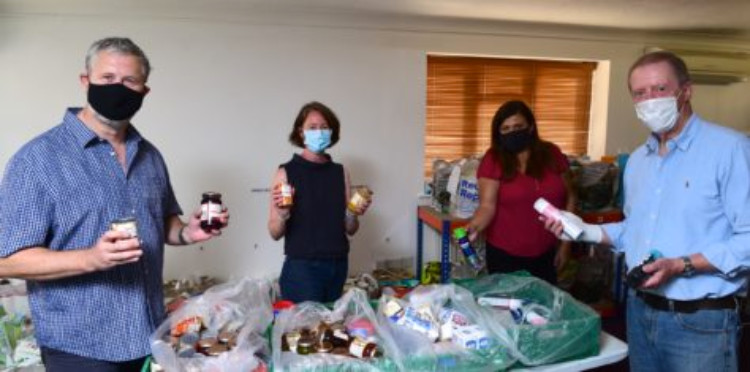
[
  {"x": 211, "y": 208},
  {"x": 127, "y": 225},
  {"x": 340, "y": 335},
  {"x": 360, "y": 196},
  {"x": 204, "y": 344},
  {"x": 325, "y": 347},
  {"x": 323, "y": 332},
  {"x": 216, "y": 350},
  {"x": 286, "y": 195},
  {"x": 305, "y": 346},
  {"x": 363, "y": 349},
  {"x": 290, "y": 340}
]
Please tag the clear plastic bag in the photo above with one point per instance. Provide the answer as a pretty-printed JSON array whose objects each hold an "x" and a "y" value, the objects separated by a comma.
[
  {"x": 570, "y": 330},
  {"x": 416, "y": 338},
  {"x": 242, "y": 307},
  {"x": 352, "y": 306}
]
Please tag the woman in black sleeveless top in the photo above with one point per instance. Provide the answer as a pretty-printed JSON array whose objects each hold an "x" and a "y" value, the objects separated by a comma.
[{"x": 315, "y": 227}]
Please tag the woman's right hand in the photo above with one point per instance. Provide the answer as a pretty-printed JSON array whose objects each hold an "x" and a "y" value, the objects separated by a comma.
[{"x": 473, "y": 229}]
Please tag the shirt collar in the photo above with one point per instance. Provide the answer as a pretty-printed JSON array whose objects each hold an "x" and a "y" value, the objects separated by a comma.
[
  {"x": 682, "y": 141},
  {"x": 85, "y": 136}
]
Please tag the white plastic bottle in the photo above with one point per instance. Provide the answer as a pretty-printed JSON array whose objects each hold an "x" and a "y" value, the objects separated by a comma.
[{"x": 570, "y": 227}]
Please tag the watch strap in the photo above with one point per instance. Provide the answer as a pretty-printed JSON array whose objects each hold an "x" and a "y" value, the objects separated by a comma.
[{"x": 689, "y": 269}]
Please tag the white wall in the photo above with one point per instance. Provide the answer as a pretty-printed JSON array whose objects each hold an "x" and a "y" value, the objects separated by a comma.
[{"x": 225, "y": 93}]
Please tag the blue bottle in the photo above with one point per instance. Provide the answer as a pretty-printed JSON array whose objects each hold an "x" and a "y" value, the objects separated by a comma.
[{"x": 462, "y": 237}]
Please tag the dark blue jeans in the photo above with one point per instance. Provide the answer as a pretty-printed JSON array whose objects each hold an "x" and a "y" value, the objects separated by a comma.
[
  {"x": 665, "y": 341},
  {"x": 60, "y": 361},
  {"x": 313, "y": 280}
]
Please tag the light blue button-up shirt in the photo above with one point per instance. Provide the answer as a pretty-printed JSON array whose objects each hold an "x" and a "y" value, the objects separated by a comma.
[
  {"x": 61, "y": 191},
  {"x": 694, "y": 199}
]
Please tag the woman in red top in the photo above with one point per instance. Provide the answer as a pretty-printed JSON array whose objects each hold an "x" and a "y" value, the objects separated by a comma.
[{"x": 517, "y": 170}]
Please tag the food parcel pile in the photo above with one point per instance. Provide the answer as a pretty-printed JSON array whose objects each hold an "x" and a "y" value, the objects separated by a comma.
[{"x": 491, "y": 323}]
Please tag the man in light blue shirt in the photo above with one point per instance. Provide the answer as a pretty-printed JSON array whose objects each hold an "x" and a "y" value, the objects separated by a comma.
[
  {"x": 95, "y": 294},
  {"x": 687, "y": 196}
]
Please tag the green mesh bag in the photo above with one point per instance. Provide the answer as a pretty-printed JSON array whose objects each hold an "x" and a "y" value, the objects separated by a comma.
[{"x": 572, "y": 330}]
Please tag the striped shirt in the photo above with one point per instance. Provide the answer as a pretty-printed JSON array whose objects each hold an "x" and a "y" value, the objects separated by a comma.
[{"x": 61, "y": 191}]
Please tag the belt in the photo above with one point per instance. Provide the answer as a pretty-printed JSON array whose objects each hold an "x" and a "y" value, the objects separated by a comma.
[{"x": 689, "y": 306}]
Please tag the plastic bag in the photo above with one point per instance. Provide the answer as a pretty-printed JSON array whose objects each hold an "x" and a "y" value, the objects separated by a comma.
[
  {"x": 441, "y": 328},
  {"x": 352, "y": 307},
  {"x": 570, "y": 329},
  {"x": 467, "y": 192},
  {"x": 241, "y": 308},
  {"x": 18, "y": 347}
]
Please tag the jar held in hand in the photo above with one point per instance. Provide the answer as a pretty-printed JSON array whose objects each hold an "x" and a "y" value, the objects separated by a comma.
[{"x": 211, "y": 208}]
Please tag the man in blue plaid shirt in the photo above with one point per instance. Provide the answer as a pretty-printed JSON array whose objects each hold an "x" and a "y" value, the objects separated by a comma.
[{"x": 95, "y": 294}]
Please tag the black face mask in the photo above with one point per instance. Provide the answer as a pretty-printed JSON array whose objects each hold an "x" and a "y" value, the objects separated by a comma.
[
  {"x": 516, "y": 141},
  {"x": 114, "y": 101}
]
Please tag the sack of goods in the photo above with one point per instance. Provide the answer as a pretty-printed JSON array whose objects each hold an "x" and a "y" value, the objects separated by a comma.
[
  {"x": 220, "y": 330},
  {"x": 545, "y": 324}
]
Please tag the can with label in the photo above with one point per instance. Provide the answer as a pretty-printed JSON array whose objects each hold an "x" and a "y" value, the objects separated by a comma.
[{"x": 127, "y": 225}]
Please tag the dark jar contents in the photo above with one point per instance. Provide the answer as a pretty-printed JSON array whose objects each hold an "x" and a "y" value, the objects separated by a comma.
[{"x": 211, "y": 207}]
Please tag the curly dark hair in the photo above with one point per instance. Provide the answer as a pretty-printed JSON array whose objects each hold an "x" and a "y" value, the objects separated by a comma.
[{"x": 333, "y": 122}]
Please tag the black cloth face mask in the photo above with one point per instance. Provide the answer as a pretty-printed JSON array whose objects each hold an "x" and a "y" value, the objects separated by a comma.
[
  {"x": 516, "y": 141},
  {"x": 114, "y": 101}
]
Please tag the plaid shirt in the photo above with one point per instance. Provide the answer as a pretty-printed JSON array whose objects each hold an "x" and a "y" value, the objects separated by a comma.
[{"x": 61, "y": 191}]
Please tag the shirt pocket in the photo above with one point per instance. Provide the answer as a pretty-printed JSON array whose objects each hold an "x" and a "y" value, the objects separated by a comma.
[{"x": 698, "y": 195}]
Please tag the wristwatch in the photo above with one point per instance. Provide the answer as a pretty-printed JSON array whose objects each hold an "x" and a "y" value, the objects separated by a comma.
[{"x": 689, "y": 269}]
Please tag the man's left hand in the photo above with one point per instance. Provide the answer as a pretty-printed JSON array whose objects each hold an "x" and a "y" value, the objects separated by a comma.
[
  {"x": 194, "y": 233},
  {"x": 662, "y": 271}
]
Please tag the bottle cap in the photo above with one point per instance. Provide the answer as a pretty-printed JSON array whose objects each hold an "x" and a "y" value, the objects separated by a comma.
[
  {"x": 459, "y": 232},
  {"x": 540, "y": 204}
]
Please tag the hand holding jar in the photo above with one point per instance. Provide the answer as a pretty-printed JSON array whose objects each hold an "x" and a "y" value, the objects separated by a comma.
[
  {"x": 360, "y": 200},
  {"x": 206, "y": 221},
  {"x": 282, "y": 196},
  {"x": 120, "y": 245}
]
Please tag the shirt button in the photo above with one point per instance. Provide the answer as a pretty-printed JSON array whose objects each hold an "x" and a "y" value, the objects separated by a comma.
[
  {"x": 648, "y": 241},
  {"x": 112, "y": 153},
  {"x": 133, "y": 211},
  {"x": 653, "y": 216},
  {"x": 658, "y": 191}
]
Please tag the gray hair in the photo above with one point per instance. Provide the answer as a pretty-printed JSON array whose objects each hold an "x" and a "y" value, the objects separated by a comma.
[
  {"x": 120, "y": 45},
  {"x": 678, "y": 64}
]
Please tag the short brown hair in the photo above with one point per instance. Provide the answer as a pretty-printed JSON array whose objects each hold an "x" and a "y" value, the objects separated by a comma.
[
  {"x": 333, "y": 122},
  {"x": 678, "y": 65}
]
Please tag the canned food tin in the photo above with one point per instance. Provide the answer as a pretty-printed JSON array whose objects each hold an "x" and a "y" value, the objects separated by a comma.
[{"x": 128, "y": 225}]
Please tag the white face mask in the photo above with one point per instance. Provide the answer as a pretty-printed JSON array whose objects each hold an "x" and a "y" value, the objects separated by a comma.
[{"x": 658, "y": 114}]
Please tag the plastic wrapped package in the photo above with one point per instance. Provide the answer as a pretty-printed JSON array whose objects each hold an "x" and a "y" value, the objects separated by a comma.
[
  {"x": 222, "y": 330},
  {"x": 546, "y": 325},
  {"x": 352, "y": 318},
  {"x": 441, "y": 328}
]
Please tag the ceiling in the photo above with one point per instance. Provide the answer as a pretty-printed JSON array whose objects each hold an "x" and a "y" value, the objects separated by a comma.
[
  {"x": 704, "y": 16},
  {"x": 724, "y": 18}
]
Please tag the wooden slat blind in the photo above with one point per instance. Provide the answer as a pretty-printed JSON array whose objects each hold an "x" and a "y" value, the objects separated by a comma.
[{"x": 463, "y": 94}]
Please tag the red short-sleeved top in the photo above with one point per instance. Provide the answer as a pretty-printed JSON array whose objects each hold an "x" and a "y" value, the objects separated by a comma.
[{"x": 516, "y": 227}]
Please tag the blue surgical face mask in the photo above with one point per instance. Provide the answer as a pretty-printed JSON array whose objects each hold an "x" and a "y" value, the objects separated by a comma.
[{"x": 317, "y": 140}]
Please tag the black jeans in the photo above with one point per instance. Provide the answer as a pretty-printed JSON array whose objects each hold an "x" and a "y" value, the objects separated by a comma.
[
  {"x": 60, "y": 361},
  {"x": 543, "y": 267}
]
